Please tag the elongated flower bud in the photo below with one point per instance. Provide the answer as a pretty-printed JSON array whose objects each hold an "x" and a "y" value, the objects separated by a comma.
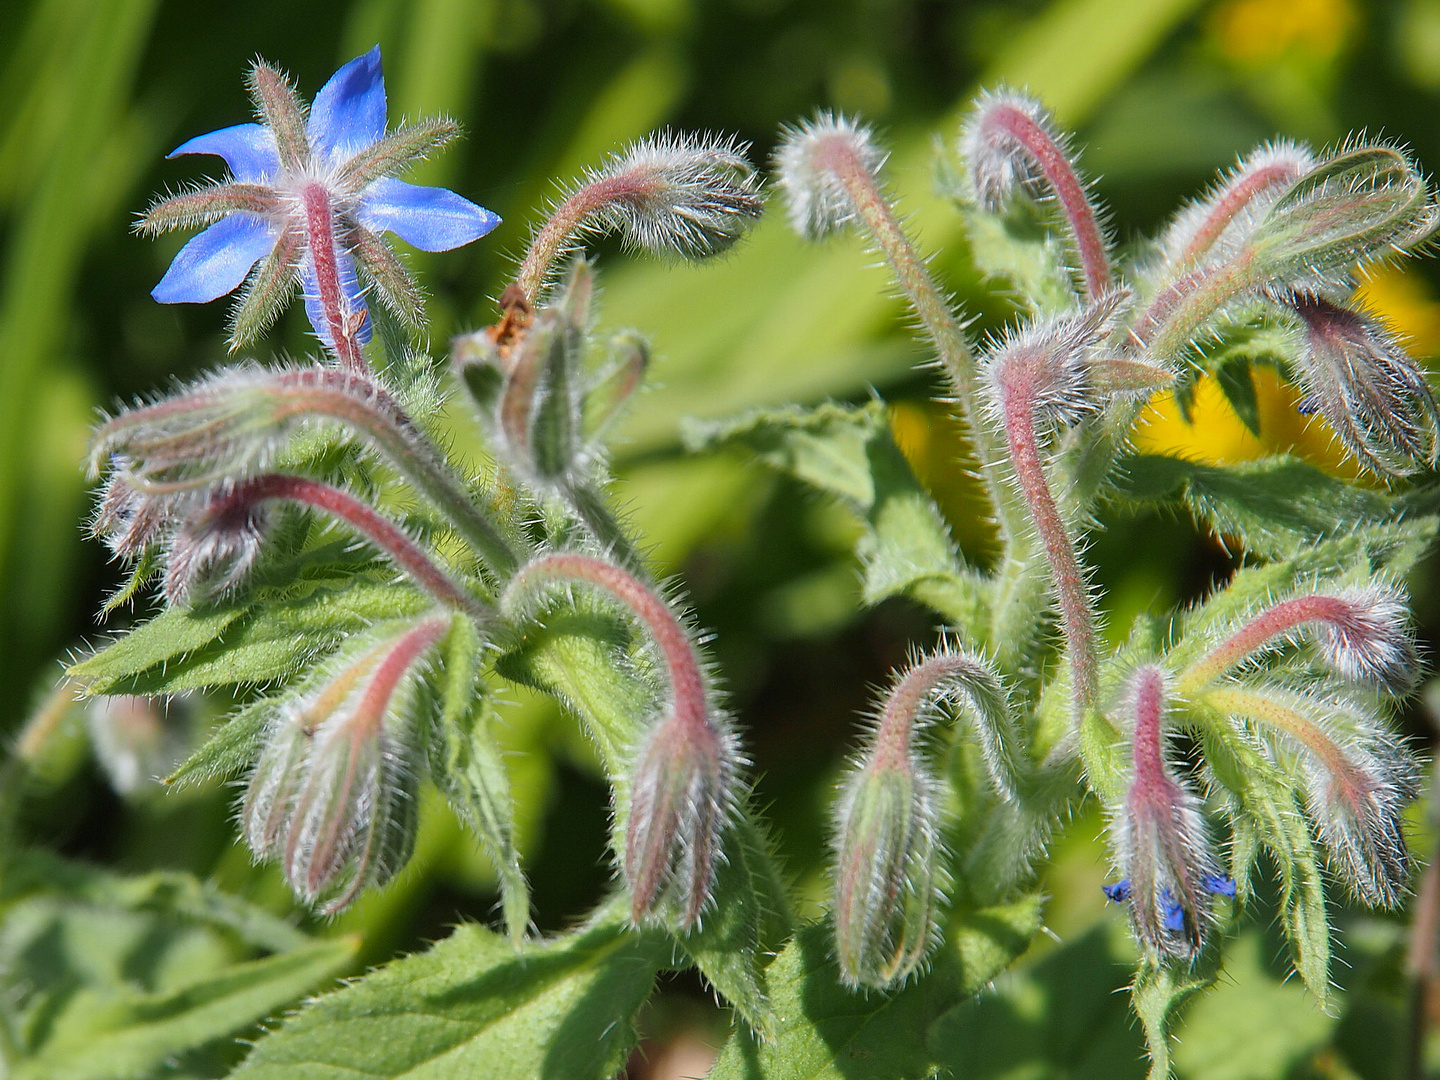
[
  {"x": 136, "y": 739},
  {"x": 684, "y": 770},
  {"x": 334, "y": 793},
  {"x": 1362, "y": 632},
  {"x": 1169, "y": 871},
  {"x": 1011, "y": 141},
  {"x": 1373, "y": 394},
  {"x": 676, "y": 195},
  {"x": 888, "y": 884},
  {"x": 1214, "y": 226},
  {"x": 1357, "y": 780}
]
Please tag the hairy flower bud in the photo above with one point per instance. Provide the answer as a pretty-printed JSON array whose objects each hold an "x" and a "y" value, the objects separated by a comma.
[
  {"x": 813, "y": 163},
  {"x": 1011, "y": 141},
  {"x": 1357, "y": 780},
  {"x": 1357, "y": 206},
  {"x": 675, "y": 195},
  {"x": 136, "y": 739},
  {"x": 888, "y": 885},
  {"x": 333, "y": 795},
  {"x": 1168, "y": 870},
  {"x": 1373, "y": 394},
  {"x": 683, "y": 773},
  {"x": 212, "y": 552}
]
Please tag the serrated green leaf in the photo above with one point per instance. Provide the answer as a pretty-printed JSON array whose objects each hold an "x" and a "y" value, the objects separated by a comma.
[
  {"x": 1058, "y": 1017},
  {"x": 268, "y": 637},
  {"x": 475, "y": 1006},
  {"x": 1273, "y": 507},
  {"x": 120, "y": 1036},
  {"x": 848, "y": 452},
  {"x": 825, "y": 1032},
  {"x": 468, "y": 768},
  {"x": 826, "y": 447}
]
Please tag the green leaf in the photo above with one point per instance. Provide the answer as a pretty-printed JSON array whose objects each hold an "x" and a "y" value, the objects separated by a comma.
[
  {"x": 272, "y": 636},
  {"x": 1269, "y": 802},
  {"x": 1253, "y": 1025},
  {"x": 114, "y": 976},
  {"x": 825, "y": 1032},
  {"x": 848, "y": 451},
  {"x": 1238, "y": 385},
  {"x": 1058, "y": 1017},
  {"x": 984, "y": 942},
  {"x": 117, "y": 1036},
  {"x": 827, "y": 447},
  {"x": 230, "y": 748},
  {"x": 467, "y": 766},
  {"x": 474, "y": 1005},
  {"x": 1274, "y": 507}
]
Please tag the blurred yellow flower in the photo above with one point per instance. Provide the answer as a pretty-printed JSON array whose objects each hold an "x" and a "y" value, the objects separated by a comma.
[
  {"x": 1262, "y": 31},
  {"x": 1404, "y": 300}
]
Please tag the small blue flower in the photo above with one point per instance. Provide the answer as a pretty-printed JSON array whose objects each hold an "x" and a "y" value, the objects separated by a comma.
[
  {"x": 1172, "y": 913},
  {"x": 306, "y": 202}
]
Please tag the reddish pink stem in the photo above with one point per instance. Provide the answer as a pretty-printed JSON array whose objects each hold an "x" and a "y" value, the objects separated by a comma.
[
  {"x": 1233, "y": 201},
  {"x": 365, "y": 520},
  {"x": 344, "y": 324},
  {"x": 1016, "y": 124},
  {"x": 687, "y": 684},
  {"x": 895, "y": 732},
  {"x": 1077, "y": 620},
  {"x": 1270, "y": 624}
]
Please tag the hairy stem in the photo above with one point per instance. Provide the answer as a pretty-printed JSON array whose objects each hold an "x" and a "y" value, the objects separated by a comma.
[
  {"x": 343, "y": 322},
  {"x": 369, "y": 523}
]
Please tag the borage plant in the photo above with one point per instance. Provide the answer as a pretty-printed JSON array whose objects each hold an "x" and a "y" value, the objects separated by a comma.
[{"x": 323, "y": 554}]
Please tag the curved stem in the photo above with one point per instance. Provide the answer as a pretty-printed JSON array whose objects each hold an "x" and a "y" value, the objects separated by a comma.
[
  {"x": 368, "y": 522},
  {"x": 1077, "y": 616},
  {"x": 1018, "y": 125},
  {"x": 941, "y": 326},
  {"x": 1273, "y": 622}
]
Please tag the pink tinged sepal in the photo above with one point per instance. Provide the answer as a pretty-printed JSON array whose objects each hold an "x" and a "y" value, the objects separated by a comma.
[
  {"x": 333, "y": 796},
  {"x": 1169, "y": 873},
  {"x": 213, "y": 551},
  {"x": 680, "y": 792},
  {"x": 1375, "y": 397},
  {"x": 1215, "y": 226}
]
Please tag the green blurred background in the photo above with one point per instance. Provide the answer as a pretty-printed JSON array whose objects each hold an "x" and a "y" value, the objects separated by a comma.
[{"x": 93, "y": 93}]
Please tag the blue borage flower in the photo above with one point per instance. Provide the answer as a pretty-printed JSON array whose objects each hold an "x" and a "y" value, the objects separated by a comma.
[
  {"x": 306, "y": 202},
  {"x": 1172, "y": 912}
]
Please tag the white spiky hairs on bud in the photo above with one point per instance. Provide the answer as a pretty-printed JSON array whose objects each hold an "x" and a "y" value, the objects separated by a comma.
[{"x": 810, "y": 164}]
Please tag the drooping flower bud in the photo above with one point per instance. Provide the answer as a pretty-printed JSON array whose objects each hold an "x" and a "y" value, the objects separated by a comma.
[
  {"x": 1213, "y": 226},
  {"x": 128, "y": 521},
  {"x": 333, "y": 795},
  {"x": 675, "y": 195},
  {"x": 1357, "y": 780},
  {"x": 213, "y": 551},
  {"x": 1168, "y": 869},
  {"x": 1011, "y": 141},
  {"x": 888, "y": 883},
  {"x": 1362, "y": 381},
  {"x": 1362, "y": 633},
  {"x": 136, "y": 739},
  {"x": 813, "y": 163},
  {"x": 683, "y": 773},
  {"x": 1048, "y": 368}
]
